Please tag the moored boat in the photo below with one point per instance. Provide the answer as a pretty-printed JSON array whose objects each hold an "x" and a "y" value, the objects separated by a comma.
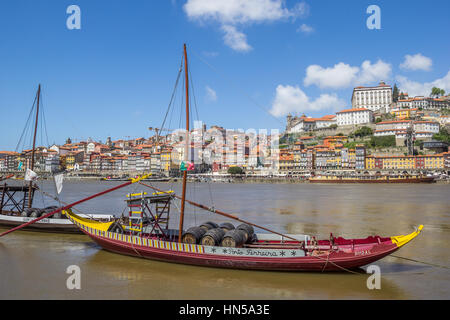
[
  {"x": 372, "y": 179},
  {"x": 264, "y": 252}
]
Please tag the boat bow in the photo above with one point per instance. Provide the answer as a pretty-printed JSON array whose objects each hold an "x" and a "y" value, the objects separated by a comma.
[{"x": 402, "y": 240}]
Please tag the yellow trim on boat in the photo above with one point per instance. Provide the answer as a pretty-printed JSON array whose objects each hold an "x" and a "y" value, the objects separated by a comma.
[
  {"x": 97, "y": 225},
  {"x": 136, "y": 194},
  {"x": 145, "y": 176},
  {"x": 402, "y": 240}
]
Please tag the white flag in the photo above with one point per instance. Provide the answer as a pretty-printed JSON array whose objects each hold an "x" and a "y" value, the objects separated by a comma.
[
  {"x": 59, "y": 182},
  {"x": 30, "y": 175}
]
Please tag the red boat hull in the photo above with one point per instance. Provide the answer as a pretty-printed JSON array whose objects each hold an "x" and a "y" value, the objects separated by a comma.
[{"x": 335, "y": 261}]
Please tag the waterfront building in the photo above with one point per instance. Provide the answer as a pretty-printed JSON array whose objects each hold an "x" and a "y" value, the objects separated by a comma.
[
  {"x": 372, "y": 98},
  {"x": 72, "y": 158},
  {"x": 52, "y": 162},
  {"x": 447, "y": 161},
  {"x": 433, "y": 161},
  {"x": 297, "y": 155},
  {"x": 354, "y": 116},
  {"x": 370, "y": 162},
  {"x": 430, "y": 162},
  {"x": 286, "y": 163},
  {"x": 360, "y": 157},
  {"x": 155, "y": 163}
]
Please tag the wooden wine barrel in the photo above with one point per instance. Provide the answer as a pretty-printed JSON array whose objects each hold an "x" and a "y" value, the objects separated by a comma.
[
  {"x": 35, "y": 213},
  {"x": 248, "y": 229},
  {"x": 234, "y": 238},
  {"x": 193, "y": 235},
  {"x": 226, "y": 226},
  {"x": 116, "y": 227},
  {"x": 26, "y": 212},
  {"x": 209, "y": 225},
  {"x": 213, "y": 237}
]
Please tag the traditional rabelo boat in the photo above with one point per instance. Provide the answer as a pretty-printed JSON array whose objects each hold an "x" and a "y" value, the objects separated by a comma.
[
  {"x": 366, "y": 178},
  {"x": 145, "y": 233},
  {"x": 16, "y": 201}
]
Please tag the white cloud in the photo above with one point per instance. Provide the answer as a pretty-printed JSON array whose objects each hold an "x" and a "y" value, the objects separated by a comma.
[
  {"x": 235, "y": 39},
  {"x": 414, "y": 88},
  {"x": 416, "y": 62},
  {"x": 292, "y": 99},
  {"x": 373, "y": 72},
  {"x": 232, "y": 13},
  {"x": 340, "y": 76},
  {"x": 343, "y": 75},
  {"x": 211, "y": 95},
  {"x": 305, "y": 29}
]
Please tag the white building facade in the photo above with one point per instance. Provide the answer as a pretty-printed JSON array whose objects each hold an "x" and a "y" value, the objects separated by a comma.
[
  {"x": 373, "y": 98},
  {"x": 354, "y": 116}
]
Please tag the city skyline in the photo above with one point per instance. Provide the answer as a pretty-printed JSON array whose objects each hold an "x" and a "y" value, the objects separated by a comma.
[{"x": 114, "y": 76}]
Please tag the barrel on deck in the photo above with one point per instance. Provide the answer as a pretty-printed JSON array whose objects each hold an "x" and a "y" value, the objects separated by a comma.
[
  {"x": 193, "y": 235},
  {"x": 26, "y": 212},
  {"x": 213, "y": 237},
  {"x": 226, "y": 226},
  {"x": 209, "y": 225},
  {"x": 36, "y": 213},
  {"x": 234, "y": 238}
]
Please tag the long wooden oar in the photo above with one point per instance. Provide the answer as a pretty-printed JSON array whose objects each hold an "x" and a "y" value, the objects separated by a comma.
[
  {"x": 74, "y": 204},
  {"x": 7, "y": 177},
  {"x": 222, "y": 213}
]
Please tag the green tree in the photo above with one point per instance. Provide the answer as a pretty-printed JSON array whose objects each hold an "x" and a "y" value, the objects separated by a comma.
[
  {"x": 395, "y": 93},
  {"x": 377, "y": 120},
  {"x": 437, "y": 92},
  {"x": 443, "y": 135},
  {"x": 382, "y": 142},
  {"x": 363, "y": 132},
  {"x": 235, "y": 170}
]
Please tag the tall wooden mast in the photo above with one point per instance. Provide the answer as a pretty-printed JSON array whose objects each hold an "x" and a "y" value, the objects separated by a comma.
[
  {"x": 30, "y": 191},
  {"x": 186, "y": 149}
]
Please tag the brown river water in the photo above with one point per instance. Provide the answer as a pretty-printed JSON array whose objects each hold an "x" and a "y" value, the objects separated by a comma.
[{"x": 33, "y": 265}]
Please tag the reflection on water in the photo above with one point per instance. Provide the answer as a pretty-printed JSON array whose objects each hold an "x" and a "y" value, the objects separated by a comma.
[{"x": 33, "y": 265}]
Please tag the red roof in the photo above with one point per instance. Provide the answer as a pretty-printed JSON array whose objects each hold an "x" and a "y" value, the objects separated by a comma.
[{"x": 353, "y": 110}]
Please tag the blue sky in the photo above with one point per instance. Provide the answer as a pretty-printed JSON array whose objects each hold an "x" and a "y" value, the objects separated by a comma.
[{"x": 250, "y": 64}]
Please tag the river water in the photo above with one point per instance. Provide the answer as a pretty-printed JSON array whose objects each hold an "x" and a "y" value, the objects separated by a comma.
[{"x": 33, "y": 265}]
